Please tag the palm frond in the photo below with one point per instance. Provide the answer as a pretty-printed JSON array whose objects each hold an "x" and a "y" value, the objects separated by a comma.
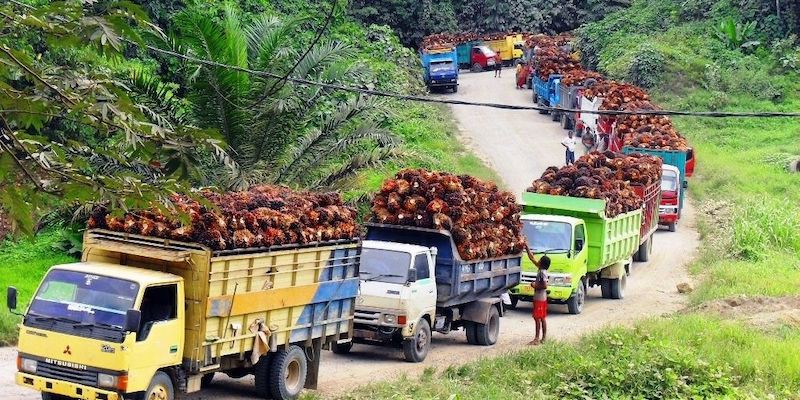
[{"x": 356, "y": 163}]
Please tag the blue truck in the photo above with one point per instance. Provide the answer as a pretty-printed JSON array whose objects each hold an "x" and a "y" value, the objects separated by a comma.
[
  {"x": 569, "y": 97},
  {"x": 440, "y": 68},
  {"x": 546, "y": 93}
]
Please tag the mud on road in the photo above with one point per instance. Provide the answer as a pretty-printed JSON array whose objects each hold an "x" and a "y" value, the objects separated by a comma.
[{"x": 519, "y": 145}]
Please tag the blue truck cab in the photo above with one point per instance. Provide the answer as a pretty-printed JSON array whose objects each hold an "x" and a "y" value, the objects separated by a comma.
[
  {"x": 545, "y": 92},
  {"x": 440, "y": 68}
]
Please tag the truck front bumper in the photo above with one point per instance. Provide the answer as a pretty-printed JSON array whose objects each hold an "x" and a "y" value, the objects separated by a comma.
[
  {"x": 68, "y": 389},
  {"x": 557, "y": 293},
  {"x": 443, "y": 82}
]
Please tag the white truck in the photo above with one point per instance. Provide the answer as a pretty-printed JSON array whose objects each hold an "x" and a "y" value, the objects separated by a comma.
[{"x": 413, "y": 282}]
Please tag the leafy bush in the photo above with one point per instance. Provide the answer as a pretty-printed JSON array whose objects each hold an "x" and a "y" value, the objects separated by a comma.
[
  {"x": 736, "y": 35},
  {"x": 646, "y": 67}
]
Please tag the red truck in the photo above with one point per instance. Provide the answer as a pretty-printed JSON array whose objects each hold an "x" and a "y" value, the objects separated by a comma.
[
  {"x": 651, "y": 195},
  {"x": 476, "y": 56}
]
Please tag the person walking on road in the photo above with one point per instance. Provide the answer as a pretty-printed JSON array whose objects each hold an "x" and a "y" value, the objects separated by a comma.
[
  {"x": 539, "y": 297},
  {"x": 569, "y": 143}
]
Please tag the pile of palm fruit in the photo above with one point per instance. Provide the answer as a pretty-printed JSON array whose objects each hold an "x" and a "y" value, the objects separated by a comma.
[
  {"x": 607, "y": 176},
  {"x": 578, "y": 76},
  {"x": 263, "y": 216},
  {"x": 482, "y": 219},
  {"x": 439, "y": 40},
  {"x": 553, "y": 60},
  {"x": 649, "y": 131}
]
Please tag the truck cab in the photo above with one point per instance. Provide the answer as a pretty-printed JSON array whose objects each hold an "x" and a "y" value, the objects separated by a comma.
[
  {"x": 89, "y": 324},
  {"x": 398, "y": 296},
  {"x": 440, "y": 67},
  {"x": 482, "y": 57},
  {"x": 672, "y": 187},
  {"x": 563, "y": 240}
]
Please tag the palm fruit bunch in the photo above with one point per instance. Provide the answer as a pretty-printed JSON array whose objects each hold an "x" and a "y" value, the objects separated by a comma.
[
  {"x": 553, "y": 60},
  {"x": 482, "y": 219},
  {"x": 616, "y": 95},
  {"x": 607, "y": 176},
  {"x": 649, "y": 131},
  {"x": 578, "y": 76},
  {"x": 439, "y": 40},
  {"x": 263, "y": 216},
  {"x": 542, "y": 40}
]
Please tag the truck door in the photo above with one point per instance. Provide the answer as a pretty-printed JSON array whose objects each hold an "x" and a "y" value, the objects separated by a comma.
[
  {"x": 159, "y": 341},
  {"x": 581, "y": 249},
  {"x": 423, "y": 291}
]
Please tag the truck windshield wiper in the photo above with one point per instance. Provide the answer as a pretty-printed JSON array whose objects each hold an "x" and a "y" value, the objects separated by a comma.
[
  {"x": 553, "y": 251},
  {"x": 53, "y": 319},
  {"x": 383, "y": 276}
]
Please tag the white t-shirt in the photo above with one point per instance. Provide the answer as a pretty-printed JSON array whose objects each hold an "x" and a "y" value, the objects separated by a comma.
[{"x": 570, "y": 143}]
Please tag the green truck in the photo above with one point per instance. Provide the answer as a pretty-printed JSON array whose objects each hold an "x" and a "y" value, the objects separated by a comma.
[{"x": 586, "y": 248}]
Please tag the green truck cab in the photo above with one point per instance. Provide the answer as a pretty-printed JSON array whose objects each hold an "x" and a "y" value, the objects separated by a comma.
[{"x": 586, "y": 248}]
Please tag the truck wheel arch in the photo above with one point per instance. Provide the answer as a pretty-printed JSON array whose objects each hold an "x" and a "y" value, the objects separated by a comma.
[{"x": 478, "y": 311}]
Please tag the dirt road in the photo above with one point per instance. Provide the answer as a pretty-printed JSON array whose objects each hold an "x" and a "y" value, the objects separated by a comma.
[{"x": 518, "y": 145}]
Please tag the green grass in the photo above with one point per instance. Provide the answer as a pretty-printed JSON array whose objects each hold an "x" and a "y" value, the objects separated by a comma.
[
  {"x": 686, "y": 356},
  {"x": 22, "y": 264}
]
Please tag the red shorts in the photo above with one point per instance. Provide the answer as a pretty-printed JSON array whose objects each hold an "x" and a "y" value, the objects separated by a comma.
[{"x": 540, "y": 309}]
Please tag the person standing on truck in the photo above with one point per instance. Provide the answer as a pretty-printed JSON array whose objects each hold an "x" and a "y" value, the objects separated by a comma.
[
  {"x": 569, "y": 143},
  {"x": 539, "y": 297}
]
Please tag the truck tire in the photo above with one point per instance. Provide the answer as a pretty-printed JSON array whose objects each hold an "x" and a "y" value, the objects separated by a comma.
[
  {"x": 486, "y": 334},
  {"x": 206, "y": 380},
  {"x": 455, "y": 88},
  {"x": 261, "y": 374},
  {"x": 469, "y": 329},
  {"x": 416, "y": 350},
  {"x": 672, "y": 227},
  {"x": 575, "y": 302},
  {"x": 476, "y": 68},
  {"x": 161, "y": 387},
  {"x": 536, "y": 99},
  {"x": 617, "y": 287},
  {"x": 555, "y": 116},
  {"x": 341, "y": 348},
  {"x": 643, "y": 254},
  {"x": 287, "y": 373},
  {"x": 605, "y": 288}
]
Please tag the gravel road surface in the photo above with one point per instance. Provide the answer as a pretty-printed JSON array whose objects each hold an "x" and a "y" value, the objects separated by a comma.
[{"x": 519, "y": 145}]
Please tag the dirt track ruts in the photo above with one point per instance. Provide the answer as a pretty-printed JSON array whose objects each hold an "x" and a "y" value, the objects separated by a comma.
[{"x": 518, "y": 145}]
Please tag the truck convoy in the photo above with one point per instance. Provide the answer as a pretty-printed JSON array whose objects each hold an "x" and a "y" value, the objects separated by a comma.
[
  {"x": 414, "y": 282},
  {"x": 144, "y": 317},
  {"x": 586, "y": 248},
  {"x": 440, "y": 68}
]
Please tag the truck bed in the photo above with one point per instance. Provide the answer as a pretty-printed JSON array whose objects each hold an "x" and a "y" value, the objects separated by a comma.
[
  {"x": 610, "y": 240},
  {"x": 300, "y": 293},
  {"x": 651, "y": 195},
  {"x": 457, "y": 281}
]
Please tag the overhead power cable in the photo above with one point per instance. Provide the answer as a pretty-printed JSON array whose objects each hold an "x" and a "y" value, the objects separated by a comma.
[{"x": 425, "y": 99}]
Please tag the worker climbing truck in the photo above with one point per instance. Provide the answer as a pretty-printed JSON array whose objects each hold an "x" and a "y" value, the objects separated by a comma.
[
  {"x": 144, "y": 317},
  {"x": 414, "y": 282},
  {"x": 586, "y": 248}
]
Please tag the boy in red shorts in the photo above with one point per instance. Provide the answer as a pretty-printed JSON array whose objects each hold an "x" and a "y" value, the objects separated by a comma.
[{"x": 540, "y": 297}]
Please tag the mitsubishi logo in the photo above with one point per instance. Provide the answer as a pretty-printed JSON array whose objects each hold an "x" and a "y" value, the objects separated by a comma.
[{"x": 68, "y": 351}]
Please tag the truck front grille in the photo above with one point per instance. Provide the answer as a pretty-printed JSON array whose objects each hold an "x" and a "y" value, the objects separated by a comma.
[
  {"x": 47, "y": 370},
  {"x": 367, "y": 317},
  {"x": 527, "y": 278}
]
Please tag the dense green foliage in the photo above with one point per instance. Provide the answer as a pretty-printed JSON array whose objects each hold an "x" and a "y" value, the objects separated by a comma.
[
  {"x": 417, "y": 18},
  {"x": 673, "y": 358}
]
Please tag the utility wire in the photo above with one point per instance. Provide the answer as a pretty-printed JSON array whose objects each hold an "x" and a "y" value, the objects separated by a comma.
[{"x": 424, "y": 99}]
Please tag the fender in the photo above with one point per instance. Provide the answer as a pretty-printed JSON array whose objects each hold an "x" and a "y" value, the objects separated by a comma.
[
  {"x": 615, "y": 271},
  {"x": 478, "y": 311}
]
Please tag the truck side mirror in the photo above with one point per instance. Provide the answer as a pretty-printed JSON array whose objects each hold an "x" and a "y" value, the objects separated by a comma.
[
  {"x": 133, "y": 318},
  {"x": 685, "y": 184},
  {"x": 412, "y": 275},
  {"x": 11, "y": 298}
]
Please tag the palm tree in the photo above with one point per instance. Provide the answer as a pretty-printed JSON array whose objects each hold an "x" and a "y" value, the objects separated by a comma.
[{"x": 279, "y": 131}]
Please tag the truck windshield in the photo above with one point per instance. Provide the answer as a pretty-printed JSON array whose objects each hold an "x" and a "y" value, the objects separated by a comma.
[
  {"x": 669, "y": 182},
  {"x": 384, "y": 265},
  {"x": 486, "y": 51},
  {"x": 548, "y": 236},
  {"x": 441, "y": 66},
  {"x": 83, "y": 298}
]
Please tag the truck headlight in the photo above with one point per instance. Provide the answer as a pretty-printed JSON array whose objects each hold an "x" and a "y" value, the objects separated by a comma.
[
  {"x": 106, "y": 380},
  {"x": 562, "y": 281},
  {"x": 388, "y": 318},
  {"x": 27, "y": 365}
]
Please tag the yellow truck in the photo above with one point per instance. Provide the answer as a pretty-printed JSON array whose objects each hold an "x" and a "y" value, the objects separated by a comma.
[
  {"x": 510, "y": 48},
  {"x": 148, "y": 318}
]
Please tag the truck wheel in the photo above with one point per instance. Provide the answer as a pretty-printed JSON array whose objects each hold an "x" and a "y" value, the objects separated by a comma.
[
  {"x": 341, "y": 348},
  {"x": 455, "y": 88},
  {"x": 672, "y": 227},
  {"x": 536, "y": 99},
  {"x": 643, "y": 254},
  {"x": 605, "y": 288},
  {"x": 575, "y": 302},
  {"x": 469, "y": 329},
  {"x": 541, "y": 103},
  {"x": 416, "y": 350},
  {"x": 476, "y": 68},
  {"x": 618, "y": 287},
  {"x": 205, "y": 381},
  {"x": 555, "y": 116},
  {"x": 160, "y": 388},
  {"x": 287, "y": 373},
  {"x": 486, "y": 334}
]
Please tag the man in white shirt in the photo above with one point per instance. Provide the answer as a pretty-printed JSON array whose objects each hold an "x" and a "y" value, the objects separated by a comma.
[{"x": 569, "y": 143}]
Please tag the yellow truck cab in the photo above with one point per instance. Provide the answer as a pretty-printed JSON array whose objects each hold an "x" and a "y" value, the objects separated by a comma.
[
  {"x": 510, "y": 49},
  {"x": 144, "y": 317}
]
